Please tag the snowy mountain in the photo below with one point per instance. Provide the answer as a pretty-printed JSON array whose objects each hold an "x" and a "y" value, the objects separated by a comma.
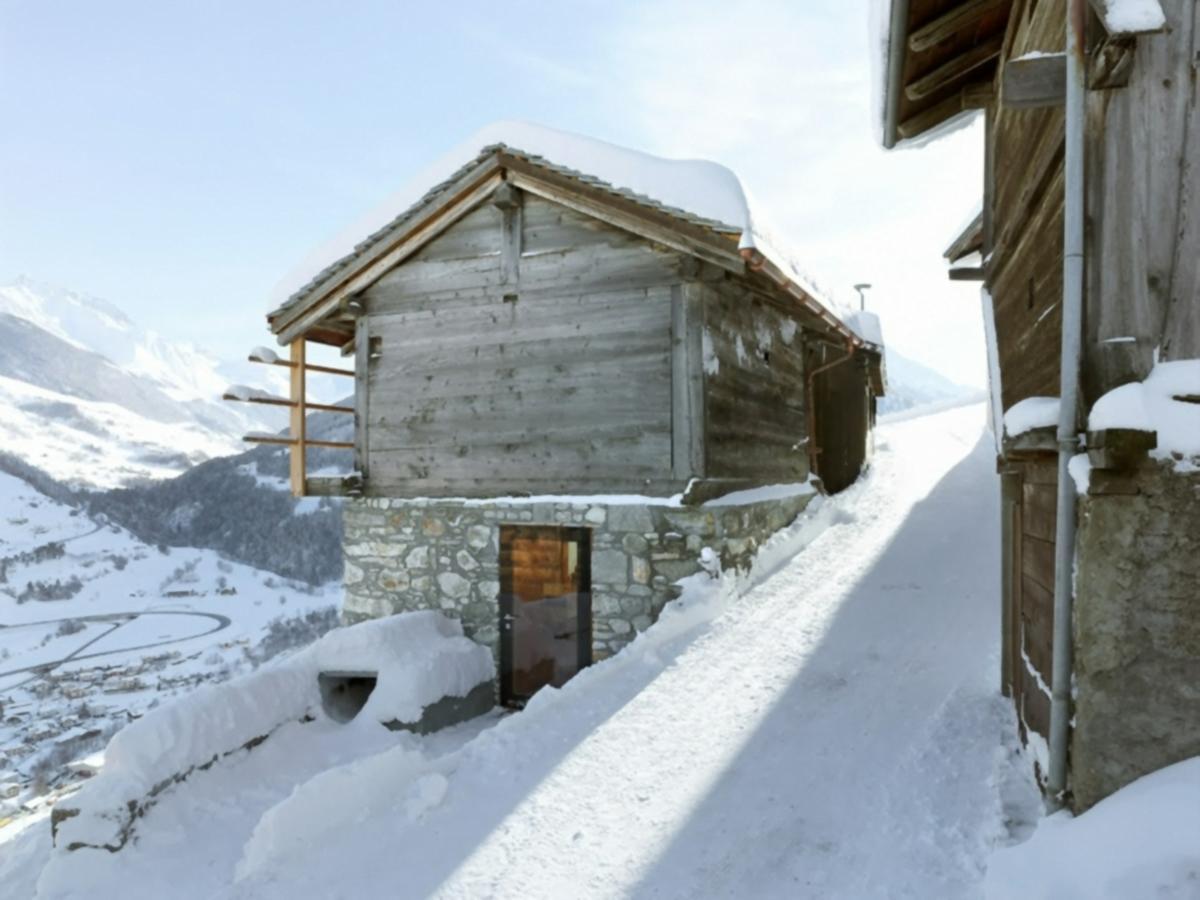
[
  {"x": 912, "y": 385},
  {"x": 93, "y": 399}
]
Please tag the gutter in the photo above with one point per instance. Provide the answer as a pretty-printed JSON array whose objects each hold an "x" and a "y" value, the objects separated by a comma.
[
  {"x": 897, "y": 29},
  {"x": 1068, "y": 434}
]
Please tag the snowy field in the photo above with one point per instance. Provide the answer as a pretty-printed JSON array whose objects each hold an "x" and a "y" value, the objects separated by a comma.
[
  {"x": 825, "y": 726},
  {"x": 97, "y": 627}
]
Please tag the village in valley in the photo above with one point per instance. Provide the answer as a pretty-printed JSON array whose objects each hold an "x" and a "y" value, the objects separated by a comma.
[{"x": 753, "y": 453}]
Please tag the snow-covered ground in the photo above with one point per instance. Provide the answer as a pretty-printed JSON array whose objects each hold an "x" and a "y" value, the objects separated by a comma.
[{"x": 826, "y": 726}]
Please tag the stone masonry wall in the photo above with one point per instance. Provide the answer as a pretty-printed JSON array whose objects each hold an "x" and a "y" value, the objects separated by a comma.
[
  {"x": 1137, "y": 632},
  {"x": 431, "y": 554}
]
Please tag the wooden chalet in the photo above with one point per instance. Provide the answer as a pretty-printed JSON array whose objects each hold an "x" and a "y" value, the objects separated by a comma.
[
  {"x": 556, "y": 372},
  {"x": 526, "y": 328},
  {"x": 1136, "y": 640}
]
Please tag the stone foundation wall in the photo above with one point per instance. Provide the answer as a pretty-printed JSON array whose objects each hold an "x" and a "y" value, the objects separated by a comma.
[
  {"x": 1137, "y": 632},
  {"x": 406, "y": 555}
]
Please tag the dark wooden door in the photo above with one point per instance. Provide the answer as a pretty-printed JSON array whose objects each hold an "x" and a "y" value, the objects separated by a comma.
[
  {"x": 842, "y": 399},
  {"x": 545, "y": 608}
]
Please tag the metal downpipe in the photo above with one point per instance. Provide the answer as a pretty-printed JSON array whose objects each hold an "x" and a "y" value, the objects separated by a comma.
[{"x": 1068, "y": 437}]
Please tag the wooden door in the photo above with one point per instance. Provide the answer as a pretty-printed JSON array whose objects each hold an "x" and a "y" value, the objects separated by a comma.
[{"x": 545, "y": 608}]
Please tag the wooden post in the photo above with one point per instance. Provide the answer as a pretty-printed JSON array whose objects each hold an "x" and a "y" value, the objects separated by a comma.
[
  {"x": 362, "y": 364},
  {"x": 687, "y": 381},
  {"x": 297, "y": 426}
]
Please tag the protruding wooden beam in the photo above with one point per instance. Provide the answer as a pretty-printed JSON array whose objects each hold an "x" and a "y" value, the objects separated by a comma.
[
  {"x": 288, "y": 442},
  {"x": 968, "y": 273},
  {"x": 298, "y": 425},
  {"x": 950, "y": 23},
  {"x": 956, "y": 68},
  {"x": 1035, "y": 82}
]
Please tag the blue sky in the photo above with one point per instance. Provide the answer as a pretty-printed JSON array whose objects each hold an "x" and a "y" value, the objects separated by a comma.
[{"x": 179, "y": 158}]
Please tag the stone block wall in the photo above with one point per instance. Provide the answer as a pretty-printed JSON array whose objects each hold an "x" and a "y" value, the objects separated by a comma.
[
  {"x": 1137, "y": 632},
  {"x": 406, "y": 555}
]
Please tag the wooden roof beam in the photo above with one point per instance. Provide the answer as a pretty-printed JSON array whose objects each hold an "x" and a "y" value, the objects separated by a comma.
[
  {"x": 973, "y": 96},
  {"x": 950, "y": 23},
  {"x": 956, "y": 68}
]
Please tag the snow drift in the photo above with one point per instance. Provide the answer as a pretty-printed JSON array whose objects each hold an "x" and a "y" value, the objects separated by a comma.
[
  {"x": 419, "y": 658},
  {"x": 1143, "y": 841}
]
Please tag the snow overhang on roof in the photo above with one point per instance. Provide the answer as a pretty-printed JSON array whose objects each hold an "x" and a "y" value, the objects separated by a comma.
[{"x": 697, "y": 206}]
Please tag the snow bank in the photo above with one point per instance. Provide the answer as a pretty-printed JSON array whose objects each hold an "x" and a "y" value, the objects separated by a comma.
[
  {"x": 1143, "y": 841},
  {"x": 1151, "y": 405},
  {"x": 1031, "y": 413},
  {"x": 420, "y": 657},
  {"x": 702, "y": 189}
]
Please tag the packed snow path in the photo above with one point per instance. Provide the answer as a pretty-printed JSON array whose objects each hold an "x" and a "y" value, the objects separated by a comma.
[{"x": 836, "y": 732}]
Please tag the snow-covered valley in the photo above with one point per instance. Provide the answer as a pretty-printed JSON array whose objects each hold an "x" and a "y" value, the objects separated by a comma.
[{"x": 97, "y": 627}]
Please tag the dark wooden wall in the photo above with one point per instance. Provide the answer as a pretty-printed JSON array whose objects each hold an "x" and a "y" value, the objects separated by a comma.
[{"x": 754, "y": 386}]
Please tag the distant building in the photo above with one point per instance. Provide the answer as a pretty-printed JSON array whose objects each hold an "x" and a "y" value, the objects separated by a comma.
[
  {"x": 570, "y": 366},
  {"x": 1136, "y": 629}
]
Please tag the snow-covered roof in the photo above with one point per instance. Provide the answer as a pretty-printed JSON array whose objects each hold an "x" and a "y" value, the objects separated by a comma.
[{"x": 697, "y": 192}]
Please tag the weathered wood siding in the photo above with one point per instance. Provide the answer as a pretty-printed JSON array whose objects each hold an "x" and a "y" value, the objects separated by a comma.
[
  {"x": 553, "y": 375},
  {"x": 1033, "y": 590},
  {"x": 1026, "y": 225},
  {"x": 1144, "y": 209},
  {"x": 754, "y": 386}
]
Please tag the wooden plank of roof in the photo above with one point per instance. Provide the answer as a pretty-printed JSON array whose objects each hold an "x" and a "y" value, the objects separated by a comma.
[
  {"x": 958, "y": 67},
  {"x": 374, "y": 263},
  {"x": 969, "y": 241},
  {"x": 620, "y": 212},
  {"x": 950, "y": 23},
  {"x": 1035, "y": 82}
]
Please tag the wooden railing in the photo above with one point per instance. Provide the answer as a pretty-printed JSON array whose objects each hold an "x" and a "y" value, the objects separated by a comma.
[{"x": 299, "y": 406}]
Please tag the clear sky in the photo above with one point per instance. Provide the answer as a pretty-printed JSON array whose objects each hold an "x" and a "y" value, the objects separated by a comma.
[{"x": 178, "y": 158}]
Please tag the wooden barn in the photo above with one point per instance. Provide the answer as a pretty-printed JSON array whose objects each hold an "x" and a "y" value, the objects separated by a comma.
[
  {"x": 1135, "y": 606},
  {"x": 576, "y": 367}
]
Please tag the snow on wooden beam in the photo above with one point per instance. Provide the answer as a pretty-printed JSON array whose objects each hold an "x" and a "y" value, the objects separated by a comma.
[
  {"x": 269, "y": 357},
  {"x": 1128, "y": 18}
]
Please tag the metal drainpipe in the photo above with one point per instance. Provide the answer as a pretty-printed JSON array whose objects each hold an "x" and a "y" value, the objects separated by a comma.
[
  {"x": 1068, "y": 437},
  {"x": 813, "y": 449}
]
